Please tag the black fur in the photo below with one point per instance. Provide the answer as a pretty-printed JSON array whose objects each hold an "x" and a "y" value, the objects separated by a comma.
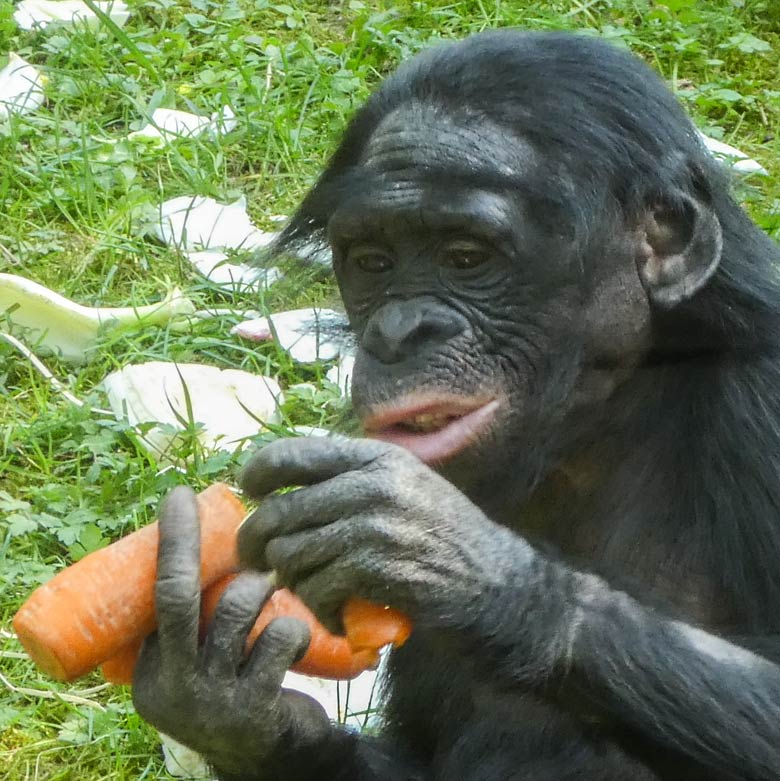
[
  {"x": 690, "y": 445},
  {"x": 639, "y": 450}
]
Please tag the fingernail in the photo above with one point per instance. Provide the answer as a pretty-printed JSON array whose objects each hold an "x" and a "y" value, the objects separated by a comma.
[{"x": 246, "y": 518}]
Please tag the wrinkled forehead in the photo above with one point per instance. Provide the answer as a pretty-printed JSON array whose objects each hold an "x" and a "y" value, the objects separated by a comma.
[
  {"x": 420, "y": 138},
  {"x": 455, "y": 170}
]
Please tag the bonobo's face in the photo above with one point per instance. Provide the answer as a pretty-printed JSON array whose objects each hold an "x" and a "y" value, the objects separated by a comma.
[{"x": 463, "y": 291}]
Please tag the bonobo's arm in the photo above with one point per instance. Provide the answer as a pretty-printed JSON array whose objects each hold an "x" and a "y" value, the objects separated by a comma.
[
  {"x": 374, "y": 521},
  {"x": 675, "y": 684},
  {"x": 236, "y": 714}
]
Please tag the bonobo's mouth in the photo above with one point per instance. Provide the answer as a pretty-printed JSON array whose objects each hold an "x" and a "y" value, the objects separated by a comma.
[{"x": 434, "y": 428}]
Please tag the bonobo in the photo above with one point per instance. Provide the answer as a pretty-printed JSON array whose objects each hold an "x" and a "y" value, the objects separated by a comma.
[{"x": 569, "y": 378}]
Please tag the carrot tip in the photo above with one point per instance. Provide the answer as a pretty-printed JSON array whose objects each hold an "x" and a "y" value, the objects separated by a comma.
[{"x": 44, "y": 657}]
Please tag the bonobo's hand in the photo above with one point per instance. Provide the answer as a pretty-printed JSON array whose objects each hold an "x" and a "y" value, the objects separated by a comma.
[
  {"x": 375, "y": 522},
  {"x": 234, "y": 713}
]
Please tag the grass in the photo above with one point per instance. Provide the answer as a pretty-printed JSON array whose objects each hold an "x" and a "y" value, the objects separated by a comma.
[{"x": 76, "y": 194}]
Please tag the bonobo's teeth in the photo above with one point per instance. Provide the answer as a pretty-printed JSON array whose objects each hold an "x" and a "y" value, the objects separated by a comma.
[{"x": 426, "y": 422}]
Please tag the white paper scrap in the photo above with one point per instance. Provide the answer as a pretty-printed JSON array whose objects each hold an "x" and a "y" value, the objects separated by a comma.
[
  {"x": 214, "y": 265},
  {"x": 228, "y": 404},
  {"x": 183, "y": 762},
  {"x": 341, "y": 373},
  {"x": 195, "y": 222},
  {"x": 736, "y": 158},
  {"x": 21, "y": 87},
  {"x": 32, "y": 14},
  {"x": 309, "y": 334},
  {"x": 169, "y": 124},
  {"x": 347, "y": 702}
]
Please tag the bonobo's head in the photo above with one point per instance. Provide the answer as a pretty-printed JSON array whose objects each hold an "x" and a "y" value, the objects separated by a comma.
[{"x": 509, "y": 218}]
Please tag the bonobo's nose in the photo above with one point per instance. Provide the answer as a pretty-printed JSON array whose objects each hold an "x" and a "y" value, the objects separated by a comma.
[{"x": 404, "y": 329}]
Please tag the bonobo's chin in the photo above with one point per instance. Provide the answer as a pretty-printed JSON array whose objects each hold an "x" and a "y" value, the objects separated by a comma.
[{"x": 436, "y": 427}]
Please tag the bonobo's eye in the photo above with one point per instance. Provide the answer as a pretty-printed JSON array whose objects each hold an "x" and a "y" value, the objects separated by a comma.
[
  {"x": 464, "y": 253},
  {"x": 372, "y": 259}
]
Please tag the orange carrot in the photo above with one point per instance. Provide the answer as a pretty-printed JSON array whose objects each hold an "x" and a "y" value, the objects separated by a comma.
[
  {"x": 368, "y": 627},
  {"x": 328, "y": 656},
  {"x": 119, "y": 668},
  {"x": 88, "y": 612},
  {"x": 99, "y": 610}
]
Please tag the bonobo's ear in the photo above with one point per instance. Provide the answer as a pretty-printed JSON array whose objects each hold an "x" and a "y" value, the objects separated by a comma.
[{"x": 680, "y": 243}]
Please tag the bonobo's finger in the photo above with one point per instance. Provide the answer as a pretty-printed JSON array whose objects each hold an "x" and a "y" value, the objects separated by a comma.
[
  {"x": 341, "y": 497},
  {"x": 155, "y": 692},
  {"x": 305, "y": 460},
  {"x": 236, "y": 613},
  {"x": 177, "y": 590},
  {"x": 283, "y": 642},
  {"x": 326, "y": 591},
  {"x": 146, "y": 689},
  {"x": 295, "y": 556}
]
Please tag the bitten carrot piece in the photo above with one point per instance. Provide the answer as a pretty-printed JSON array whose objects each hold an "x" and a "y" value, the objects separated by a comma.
[
  {"x": 369, "y": 627},
  {"x": 88, "y": 612}
]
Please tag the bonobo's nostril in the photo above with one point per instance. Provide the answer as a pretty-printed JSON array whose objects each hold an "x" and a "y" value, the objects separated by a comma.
[{"x": 404, "y": 329}]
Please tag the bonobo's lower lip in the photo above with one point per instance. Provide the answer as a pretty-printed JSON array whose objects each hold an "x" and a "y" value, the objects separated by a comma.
[{"x": 457, "y": 422}]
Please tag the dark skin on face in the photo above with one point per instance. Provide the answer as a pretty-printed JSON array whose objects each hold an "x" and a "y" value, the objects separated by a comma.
[
  {"x": 437, "y": 285},
  {"x": 567, "y": 377}
]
